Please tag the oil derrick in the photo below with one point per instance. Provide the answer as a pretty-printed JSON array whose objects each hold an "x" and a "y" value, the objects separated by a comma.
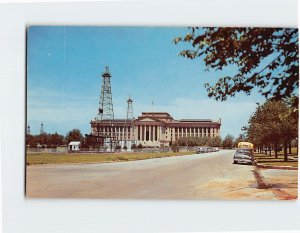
[
  {"x": 28, "y": 129},
  {"x": 42, "y": 128},
  {"x": 129, "y": 115},
  {"x": 128, "y": 121},
  {"x": 105, "y": 110}
]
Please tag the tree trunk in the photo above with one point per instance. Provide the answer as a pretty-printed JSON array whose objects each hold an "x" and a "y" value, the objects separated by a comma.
[
  {"x": 270, "y": 150},
  {"x": 290, "y": 148},
  {"x": 285, "y": 152},
  {"x": 266, "y": 151},
  {"x": 276, "y": 154}
]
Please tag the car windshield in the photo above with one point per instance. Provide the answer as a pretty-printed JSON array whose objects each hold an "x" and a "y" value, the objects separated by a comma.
[{"x": 243, "y": 151}]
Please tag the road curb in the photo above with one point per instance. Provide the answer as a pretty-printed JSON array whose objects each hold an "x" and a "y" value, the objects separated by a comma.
[{"x": 275, "y": 167}]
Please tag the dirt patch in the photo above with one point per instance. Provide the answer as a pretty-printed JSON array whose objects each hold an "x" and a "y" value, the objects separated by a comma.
[{"x": 282, "y": 183}]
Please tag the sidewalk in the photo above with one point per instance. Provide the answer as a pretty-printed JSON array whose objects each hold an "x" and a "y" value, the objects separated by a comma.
[{"x": 283, "y": 183}]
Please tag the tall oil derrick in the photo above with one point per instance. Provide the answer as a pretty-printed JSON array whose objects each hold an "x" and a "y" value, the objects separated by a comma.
[
  {"x": 28, "y": 129},
  {"x": 42, "y": 128},
  {"x": 129, "y": 114},
  {"x": 128, "y": 121},
  {"x": 106, "y": 111}
]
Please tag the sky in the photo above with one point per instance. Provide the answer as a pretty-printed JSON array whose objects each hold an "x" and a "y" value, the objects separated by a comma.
[{"x": 64, "y": 66}]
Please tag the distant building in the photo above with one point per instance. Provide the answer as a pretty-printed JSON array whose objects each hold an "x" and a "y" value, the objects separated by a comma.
[
  {"x": 154, "y": 129},
  {"x": 74, "y": 146}
]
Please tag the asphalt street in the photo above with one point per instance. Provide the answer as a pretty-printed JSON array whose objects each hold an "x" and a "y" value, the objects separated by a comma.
[{"x": 198, "y": 176}]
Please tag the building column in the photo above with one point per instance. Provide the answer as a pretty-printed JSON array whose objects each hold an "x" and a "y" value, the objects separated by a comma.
[
  {"x": 159, "y": 132},
  {"x": 145, "y": 129},
  {"x": 150, "y": 132},
  {"x": 153, "y": 133},
  {"x": 134, "y": 133},
  {"x": 140, "y": 134},
  {"x": 173, "y": 134}
]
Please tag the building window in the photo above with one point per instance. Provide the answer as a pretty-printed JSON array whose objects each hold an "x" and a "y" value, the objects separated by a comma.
[{"x": 147, "y": 133}]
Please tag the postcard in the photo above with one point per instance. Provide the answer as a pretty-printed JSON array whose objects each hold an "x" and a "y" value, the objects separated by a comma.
[{"x": 195, "y": 113}]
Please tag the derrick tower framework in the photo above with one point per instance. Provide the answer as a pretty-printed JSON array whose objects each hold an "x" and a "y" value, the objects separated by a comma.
[
  {"x": 106, "y": 110},
  {"x": 129, "y": 114},
  {"x": 42, "y": 128},
  {"x": 128, "y": 121},
  {"x": 28, "y": 129}
]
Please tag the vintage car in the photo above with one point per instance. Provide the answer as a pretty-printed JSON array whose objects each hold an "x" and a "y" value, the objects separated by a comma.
[{"x": 243, "y": 155}]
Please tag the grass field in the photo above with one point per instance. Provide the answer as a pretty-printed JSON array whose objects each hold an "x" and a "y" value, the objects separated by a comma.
[
  {"x": 271, "y": 160},
  {"x": 60, "y": 158}
]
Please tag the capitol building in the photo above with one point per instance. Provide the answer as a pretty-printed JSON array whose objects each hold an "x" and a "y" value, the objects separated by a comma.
[
  {"x": 154, "y": 129},
  {"x": 150, "y": 129}
]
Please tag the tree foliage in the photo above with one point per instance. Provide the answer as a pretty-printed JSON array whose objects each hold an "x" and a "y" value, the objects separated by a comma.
[
  {"x": 199, "y": 141},
  {"x": 266, "y": 59},
  {"x": 74, "y": 135},
  {"x": 215, "y": 141},
  {"x": 273, "y": 124},
  {"x": 228, "y": 141},
  {"x": 44, "y": 140},
  {"x": 240, "y": 138}
]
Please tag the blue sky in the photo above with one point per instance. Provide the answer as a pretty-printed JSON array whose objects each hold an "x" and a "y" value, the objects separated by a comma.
[{"x": 64, "y": 69}]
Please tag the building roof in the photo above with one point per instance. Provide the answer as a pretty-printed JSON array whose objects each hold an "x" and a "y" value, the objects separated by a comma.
[
  {"x": 74, "y": 143},
  {"x": 195, "y": 120}
]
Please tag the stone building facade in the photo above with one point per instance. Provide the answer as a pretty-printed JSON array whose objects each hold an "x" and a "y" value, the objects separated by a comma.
[{"x": 154, "y": 129}]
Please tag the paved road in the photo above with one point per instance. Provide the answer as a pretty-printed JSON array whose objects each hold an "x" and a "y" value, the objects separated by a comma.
[{"x": 203, "y": 176}]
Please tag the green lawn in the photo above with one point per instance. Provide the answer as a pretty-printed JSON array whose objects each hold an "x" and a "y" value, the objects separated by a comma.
[
  {"x": 60, "y": 158},
  {"x": 271, "y": 160}
]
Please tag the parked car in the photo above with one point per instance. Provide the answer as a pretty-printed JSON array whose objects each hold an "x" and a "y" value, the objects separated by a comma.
[
  {"x": 201, "y": 150},
  {"x": 243, "y": 155}
]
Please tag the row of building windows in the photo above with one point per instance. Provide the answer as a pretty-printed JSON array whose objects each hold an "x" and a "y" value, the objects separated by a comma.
[{"x": 152, "y": 133}]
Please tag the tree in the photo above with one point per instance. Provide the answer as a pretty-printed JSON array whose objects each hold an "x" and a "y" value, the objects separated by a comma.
[
  {"x": 228, "y": 141},
  {"x": 240, "y": 138},
  {"x": 31, "y": 140},
  {"x": 272, "y": 124},
  {"x": 216, "y": 141},
  {"x": 74, "y": 135},
  {"x": 266, "y": 59},
  {"x": 56, "y": 139}
]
